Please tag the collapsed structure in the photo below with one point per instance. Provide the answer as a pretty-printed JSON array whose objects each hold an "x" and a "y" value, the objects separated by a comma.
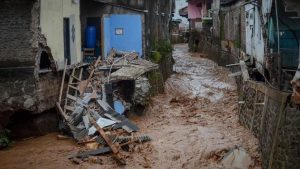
[
  {"x": 97, "y": 104},
  {"x": 40, "y": 37}
]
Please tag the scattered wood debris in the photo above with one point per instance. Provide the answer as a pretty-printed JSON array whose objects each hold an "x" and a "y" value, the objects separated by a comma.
[{"x": 88, "y": 108}]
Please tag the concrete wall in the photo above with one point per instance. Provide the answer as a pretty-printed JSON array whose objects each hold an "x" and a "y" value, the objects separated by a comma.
[
  {"x": 51, "y": 21},
  {"x": 130, "y": 40},
  {"x": 254, "y": 36}
]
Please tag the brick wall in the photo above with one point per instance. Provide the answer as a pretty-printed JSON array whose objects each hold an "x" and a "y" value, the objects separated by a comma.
[{"x": 16, "y": 34}]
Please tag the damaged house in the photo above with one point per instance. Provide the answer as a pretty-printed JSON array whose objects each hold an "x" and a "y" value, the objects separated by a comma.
[
  {"x": 45, "y": 41},
  {"x": 37, "y": 36}
]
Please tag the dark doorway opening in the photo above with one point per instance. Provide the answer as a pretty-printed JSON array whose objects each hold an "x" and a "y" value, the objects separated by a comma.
[
  {"x": 45, "y": 62},
  {"x": 67, "y": 52},
  {"x": 96, "y": 21}
]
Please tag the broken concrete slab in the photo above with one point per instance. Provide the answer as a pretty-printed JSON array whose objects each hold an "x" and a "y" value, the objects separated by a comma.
[{"x": 133, "y": 71}]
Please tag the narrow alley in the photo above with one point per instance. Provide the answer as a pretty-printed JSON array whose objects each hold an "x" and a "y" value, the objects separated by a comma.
[
  {"x": 162, "y": 84},
  {"x": 192, "y": 125}
]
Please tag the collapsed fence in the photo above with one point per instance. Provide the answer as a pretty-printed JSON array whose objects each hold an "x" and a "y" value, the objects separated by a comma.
[{"x": 272, "y": 118}]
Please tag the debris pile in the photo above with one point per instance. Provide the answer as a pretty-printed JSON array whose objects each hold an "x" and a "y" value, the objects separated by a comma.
[{"x": 93, "y": 110}]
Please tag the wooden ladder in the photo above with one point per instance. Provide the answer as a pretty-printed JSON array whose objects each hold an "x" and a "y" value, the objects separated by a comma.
[{"x": 72, "y": 92}]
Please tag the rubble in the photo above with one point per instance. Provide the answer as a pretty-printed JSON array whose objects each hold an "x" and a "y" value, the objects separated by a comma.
[{"x": 92, "y": 109}]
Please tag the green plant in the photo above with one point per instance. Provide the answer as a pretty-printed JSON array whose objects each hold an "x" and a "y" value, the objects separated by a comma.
[
  {"x": 237, "y": 43},
  {"x": 156, "y": 56},
  {"x": 161, "y": 49},
  {"x": 5, "y": 140}
]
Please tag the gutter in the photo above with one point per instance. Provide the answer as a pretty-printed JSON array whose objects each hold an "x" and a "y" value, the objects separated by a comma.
[{"x": 123, "y": 6}]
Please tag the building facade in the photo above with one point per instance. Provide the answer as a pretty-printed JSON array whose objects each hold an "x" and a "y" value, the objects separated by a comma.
[
  {"x": 39, "y": 37},
  {"x": 32, "y": 52}
]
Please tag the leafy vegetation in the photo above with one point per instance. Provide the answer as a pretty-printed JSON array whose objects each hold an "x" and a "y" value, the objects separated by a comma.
[
  {"x": 160, "y": 52},
  {"x": 5, "y": 140},
  {"x": 161, "y": 49}
]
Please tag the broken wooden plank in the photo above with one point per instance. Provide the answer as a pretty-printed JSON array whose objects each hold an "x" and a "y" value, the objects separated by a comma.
[
  {"x": 235, "y": 74},
  {"x": 78, "y": 79},
  {"x": 113, "y": 147},
  {"x": 72, "y": 97},
  {"x": 70, "y": 108},
  {"x": 73, "y": 87},
  {"x": 235, "y": 64},
  {"x": 62, "y": 113}
]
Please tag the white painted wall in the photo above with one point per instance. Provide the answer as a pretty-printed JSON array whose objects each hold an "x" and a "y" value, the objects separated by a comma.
[
  {"x": 254, "y": 37},
  {"x": 51, "y": 23}
]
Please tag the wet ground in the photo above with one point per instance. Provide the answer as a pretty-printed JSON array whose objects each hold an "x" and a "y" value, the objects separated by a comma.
[{"x": 192, "y": 126}]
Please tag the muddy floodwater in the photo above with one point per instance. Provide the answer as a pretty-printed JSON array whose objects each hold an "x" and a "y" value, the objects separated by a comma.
[{"x": 193, "y": 124}]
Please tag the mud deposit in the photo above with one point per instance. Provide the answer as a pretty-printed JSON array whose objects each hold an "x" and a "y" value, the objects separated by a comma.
[{"x": 192, "y": 126}]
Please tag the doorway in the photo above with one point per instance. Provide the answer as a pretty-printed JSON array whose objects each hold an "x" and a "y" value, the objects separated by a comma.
[
  {"x": 96, "y": 21},
  {"x": 67, "y": 52}
]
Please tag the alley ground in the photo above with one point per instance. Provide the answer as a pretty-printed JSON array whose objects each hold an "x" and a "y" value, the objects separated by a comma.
[{"x": 192, "y": 126}]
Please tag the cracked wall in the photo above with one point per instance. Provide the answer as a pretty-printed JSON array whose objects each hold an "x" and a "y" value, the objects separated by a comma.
[{"x": 22, "y": 88}]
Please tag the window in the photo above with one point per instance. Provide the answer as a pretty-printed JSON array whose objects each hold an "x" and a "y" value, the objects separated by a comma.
[{"x": 119, "y": 31}]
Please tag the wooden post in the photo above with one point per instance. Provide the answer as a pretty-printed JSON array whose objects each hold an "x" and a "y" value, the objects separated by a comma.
[{"x": 113, "y": 147}]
